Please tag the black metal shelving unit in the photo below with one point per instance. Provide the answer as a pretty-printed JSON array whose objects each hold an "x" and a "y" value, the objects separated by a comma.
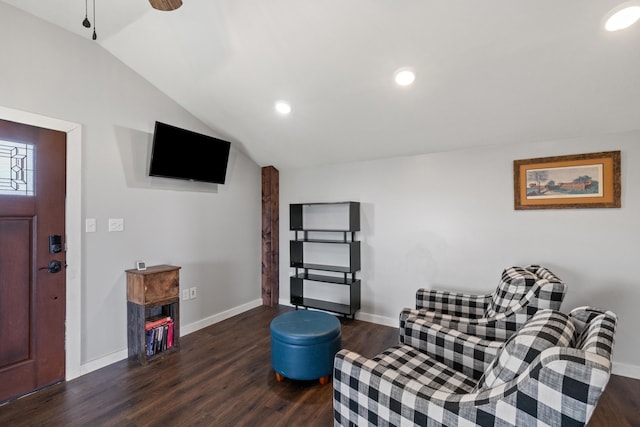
[{"x": 347, "y": 275}]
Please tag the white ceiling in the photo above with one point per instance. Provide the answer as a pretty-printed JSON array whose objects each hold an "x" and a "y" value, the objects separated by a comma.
[{"x": 488, "y": 72}]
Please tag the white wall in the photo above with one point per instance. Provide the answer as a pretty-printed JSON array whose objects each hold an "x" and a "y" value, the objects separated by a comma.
[
  {"x": 443, "y": 220},
  {"x": 447, "y": 221},
  {"x": 213, "y": 233}
]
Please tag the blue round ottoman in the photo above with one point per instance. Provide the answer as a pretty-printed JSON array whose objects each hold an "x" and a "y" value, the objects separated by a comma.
[{"x": 303, "y": 345}]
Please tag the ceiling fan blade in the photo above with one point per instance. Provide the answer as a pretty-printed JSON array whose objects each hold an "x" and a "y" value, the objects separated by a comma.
[{"x": 165, "y": 5}]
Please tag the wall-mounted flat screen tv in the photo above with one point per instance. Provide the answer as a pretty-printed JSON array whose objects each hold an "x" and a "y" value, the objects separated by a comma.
[{"x": 184, "y": 154}]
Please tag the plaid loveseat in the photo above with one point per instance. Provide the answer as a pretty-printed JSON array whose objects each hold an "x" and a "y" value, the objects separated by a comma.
[
  {"x": 551, "y": 372},
  {"x": 493, "y": 317}
]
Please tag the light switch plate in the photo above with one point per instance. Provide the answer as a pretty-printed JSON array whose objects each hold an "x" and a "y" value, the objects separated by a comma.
[
  {"x": 116, "y": 224},
  {"x": 90, "y": 225}
]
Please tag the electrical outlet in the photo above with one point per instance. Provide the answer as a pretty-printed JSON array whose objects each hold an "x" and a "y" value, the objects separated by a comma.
[
  {"x": 185, "y": 294},
  {"x": 193, "y": 293}
]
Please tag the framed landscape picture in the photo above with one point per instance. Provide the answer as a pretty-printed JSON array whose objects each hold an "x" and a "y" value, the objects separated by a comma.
[{"x": 589, "y": 180}]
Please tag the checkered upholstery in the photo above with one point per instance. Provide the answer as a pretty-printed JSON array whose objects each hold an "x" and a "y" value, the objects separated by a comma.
[
  {"x": 469, "y": 354},
  {"x": 412, "y": 364},
  {"x": 560, "y": 386},
  {"x": 595, "y": 330},
  {"x": 468, "y": 313},
  {"x": 546, "y": 329},
  {"x": 452, "y": 303},
  {"x": 514, "y": 284}
]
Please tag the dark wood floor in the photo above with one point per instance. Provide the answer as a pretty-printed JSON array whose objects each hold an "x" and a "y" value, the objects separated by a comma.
[{"x": 222, "y": 377}]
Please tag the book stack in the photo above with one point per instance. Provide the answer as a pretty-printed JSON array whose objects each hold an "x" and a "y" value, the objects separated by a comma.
[{"x": 158, "y": 334}]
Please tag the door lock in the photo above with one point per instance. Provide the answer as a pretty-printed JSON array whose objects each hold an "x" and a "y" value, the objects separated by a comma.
[
  {"x": 55, "y": 243},
  {"x": 54, "y": 266}
]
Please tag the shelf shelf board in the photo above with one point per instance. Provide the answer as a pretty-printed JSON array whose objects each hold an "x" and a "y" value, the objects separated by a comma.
[
  {"x": 325, "y": 203},
  {"x": 323, "y": 267},
  {"x": 341, "y": 242},
  {"x": 326, "y": 230},
  {"x": 162, "y": 353},
  {"x": 327, "y": 306},
  {"x": 326, "y": 279}
]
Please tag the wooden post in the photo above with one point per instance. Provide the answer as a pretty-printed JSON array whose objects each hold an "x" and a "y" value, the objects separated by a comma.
[{"x": 270, "y": 236}]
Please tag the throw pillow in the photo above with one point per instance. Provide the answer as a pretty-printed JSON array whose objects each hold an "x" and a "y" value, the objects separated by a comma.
[{"x": 546, "y": 329}]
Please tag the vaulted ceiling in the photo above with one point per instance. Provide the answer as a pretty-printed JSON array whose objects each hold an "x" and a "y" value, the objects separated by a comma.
[{"x": 488, "y": 72}]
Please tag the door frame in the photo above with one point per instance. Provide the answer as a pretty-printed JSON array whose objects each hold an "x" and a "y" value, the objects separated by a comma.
[{"x": 73, "y": 225}]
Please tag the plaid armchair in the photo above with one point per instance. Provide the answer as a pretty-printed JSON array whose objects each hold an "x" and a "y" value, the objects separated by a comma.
[
  {"x": 520, "y": 294},
  {"x": 551, "y": 372}
]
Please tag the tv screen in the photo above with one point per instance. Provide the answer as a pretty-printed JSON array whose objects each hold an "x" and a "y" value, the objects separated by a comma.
[{"x": 183, "y": 154}]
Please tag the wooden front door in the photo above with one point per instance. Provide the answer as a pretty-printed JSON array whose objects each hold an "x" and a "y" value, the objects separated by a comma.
[{"x": 32, "y": 269}]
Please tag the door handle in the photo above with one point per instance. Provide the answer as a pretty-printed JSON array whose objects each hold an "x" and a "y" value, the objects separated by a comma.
[{"x": 54, "y": 266}]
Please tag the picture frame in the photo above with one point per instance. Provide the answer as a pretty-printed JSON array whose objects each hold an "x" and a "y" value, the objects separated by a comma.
[
  {"x": 141, "y": 265},
  {"x": 577, "y": 181}
]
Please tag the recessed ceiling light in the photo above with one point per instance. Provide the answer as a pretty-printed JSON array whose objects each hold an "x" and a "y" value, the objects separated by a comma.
[
  {"x": 404, "y": 76},
  {"x": 622, "y": 18},
  {"x": 283, "y": 107}
]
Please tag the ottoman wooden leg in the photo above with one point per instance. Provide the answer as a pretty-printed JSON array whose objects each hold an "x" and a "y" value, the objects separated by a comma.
[
  {"x": 279, "y": 377},
  {"x": 324, "y": 380}
]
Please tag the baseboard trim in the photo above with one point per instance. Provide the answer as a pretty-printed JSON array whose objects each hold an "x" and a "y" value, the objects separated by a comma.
[
  {"x": 365, "y": 317},
  {"x": 626, "y": 370},
  {"x": 623, "y": 369},
  {"x": 96, "y": 364},
  {"x": 380, "y": 320},
  {"x": 200, "y": 324},
  {"x": 119, "y": 355}
]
